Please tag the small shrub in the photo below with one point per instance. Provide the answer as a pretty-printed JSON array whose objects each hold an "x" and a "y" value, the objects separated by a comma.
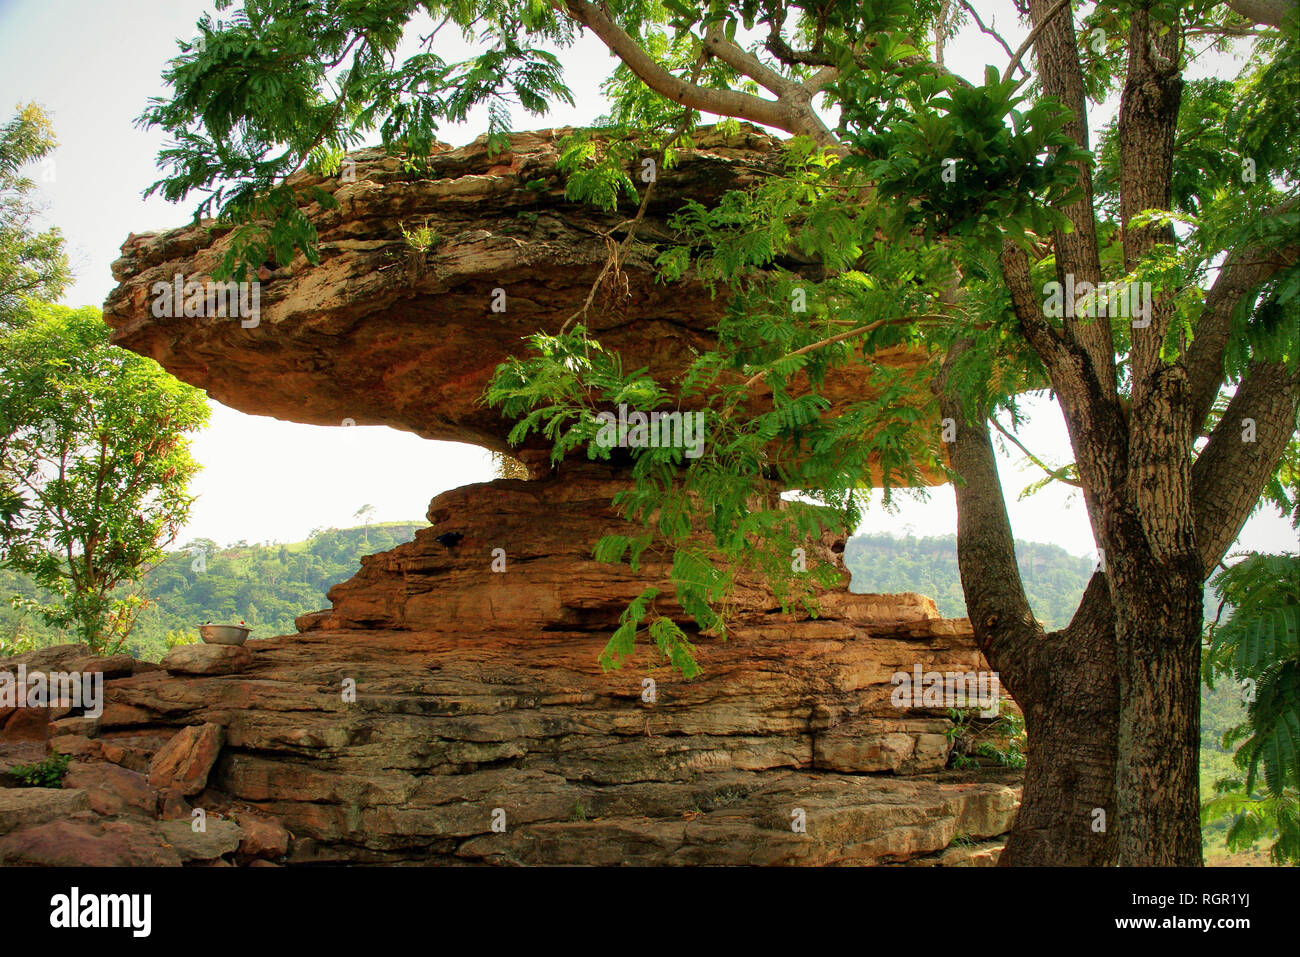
[{"x": 44, "y": 774}]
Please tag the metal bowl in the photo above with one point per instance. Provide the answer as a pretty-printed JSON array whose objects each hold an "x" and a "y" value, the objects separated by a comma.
[{"x": 224, "y": 634}]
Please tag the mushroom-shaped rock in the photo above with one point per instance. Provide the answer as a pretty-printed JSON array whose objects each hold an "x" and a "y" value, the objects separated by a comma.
[{"x": 428, "y": 280}]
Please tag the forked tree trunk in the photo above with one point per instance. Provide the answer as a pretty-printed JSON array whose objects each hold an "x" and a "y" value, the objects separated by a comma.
[
  {"x": 1070, "y": 702},
  {"x": 1065, "y": 682}
]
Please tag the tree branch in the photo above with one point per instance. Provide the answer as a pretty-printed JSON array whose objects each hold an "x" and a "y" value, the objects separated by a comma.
[
  {"x": 729, "y": 103},
  {"x": 1077, "y": 252},
  {"x": 1004, "y": 624},
  {"x": 744, "y": 62},
  {"x": 1230, "y": 474},
  {"x": 1270, "y": 12},
  {"x": 1021, "y": 50},
  {"x": 1056, "y": 474},
  {"x": 1241, "y": 272},
  {"x": 995, "y": 35}
]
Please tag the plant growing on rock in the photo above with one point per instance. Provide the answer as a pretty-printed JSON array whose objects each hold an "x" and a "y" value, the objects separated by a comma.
[{"x": 43, "y": 774}]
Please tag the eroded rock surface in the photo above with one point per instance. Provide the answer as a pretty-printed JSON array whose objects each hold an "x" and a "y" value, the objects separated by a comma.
[
  {"x": 443, "y": 712},
  {"x": 381, "y": 333}
]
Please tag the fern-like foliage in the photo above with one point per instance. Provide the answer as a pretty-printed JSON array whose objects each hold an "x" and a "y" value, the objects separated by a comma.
[{"x": 1258, "y": 646}]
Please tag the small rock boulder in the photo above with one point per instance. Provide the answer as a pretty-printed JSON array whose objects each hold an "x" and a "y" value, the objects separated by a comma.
[
  {"x": 183, "y": 763},
  {"x": 217, "y": 838},
  {"x": 24, "y": 724},
  {"x": 172, "y": 806},
  {"x": 111, "y": 789},
  {"x": 263, "y": 838},
  {"x": 207, "y": 660}
]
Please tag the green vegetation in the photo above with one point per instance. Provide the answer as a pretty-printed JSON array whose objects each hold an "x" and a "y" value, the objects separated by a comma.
[
  {"x": 1258, "y": 649},
  {"x": 1054, "y": 579},
  {"x": 33, "y": 264},
  {"x": 977, "y": 741},
  {"x": 267, "y": 586},
  {"x": 94, "y": 467},
  {"x": 44, "y": 774}
]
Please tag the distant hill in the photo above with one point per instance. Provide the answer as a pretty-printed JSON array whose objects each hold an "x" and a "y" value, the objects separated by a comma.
[
  {"x": 267, "y": 586},
  {"x": 1054, "y": 579}
]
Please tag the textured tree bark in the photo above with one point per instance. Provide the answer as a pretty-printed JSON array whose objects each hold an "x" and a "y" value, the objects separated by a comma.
[
  {"x": 1070, "y": 702},
  {"x": 1155, "y": 572},
  {"x": 1157, "y": 780}
]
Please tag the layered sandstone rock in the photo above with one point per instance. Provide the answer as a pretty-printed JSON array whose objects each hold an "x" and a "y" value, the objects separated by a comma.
[
  {"x": 381, "y": 333},
  {"x": 443, "y": 712}
]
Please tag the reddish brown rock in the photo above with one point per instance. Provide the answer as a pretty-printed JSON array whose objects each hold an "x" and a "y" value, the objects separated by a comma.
[
  {"x": 111, "y": 789},
  {"x": 76, "y": 745},
  {"x": 172, "y": 805},
  {"x": 441, "y": 712},
  {"x": 262, "y": 838},
  {"x": 25, "y": 724},
  {"x": 183, "y": 763},
  {"x": 129, "y": 842},
  {"x": 379, "y": 333},
  {"x": 437, "y": 693},
  {"x": 207, "y": 660}
]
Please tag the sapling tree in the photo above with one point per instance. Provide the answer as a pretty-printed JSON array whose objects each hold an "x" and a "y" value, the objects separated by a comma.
[{"x": 94, "y": 467}]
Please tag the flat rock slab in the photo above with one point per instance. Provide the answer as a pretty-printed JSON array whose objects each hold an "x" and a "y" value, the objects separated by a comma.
[
  {"x": 207, "y": 660},
  {"x": 217, "y": 838},
  {"x": 29, "y": 807},
  {"x": 376, "y": 334},
  {"x": 67, "y": 842}
]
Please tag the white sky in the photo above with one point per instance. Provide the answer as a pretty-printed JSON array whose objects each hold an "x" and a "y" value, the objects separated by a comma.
[{"x": 94, "y": 65}]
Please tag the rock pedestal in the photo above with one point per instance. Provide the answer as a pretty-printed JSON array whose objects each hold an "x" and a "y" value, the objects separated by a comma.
[{"x": 441, "y": 712}]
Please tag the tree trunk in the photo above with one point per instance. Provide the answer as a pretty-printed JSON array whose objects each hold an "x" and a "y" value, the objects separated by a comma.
[
  {"x": 1070, "y": 702},
  {"x": 1158, "y": 771},
  {"x": 1064, "y": 682}
]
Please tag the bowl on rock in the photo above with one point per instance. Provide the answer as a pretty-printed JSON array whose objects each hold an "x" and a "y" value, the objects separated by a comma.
[{"x": 224, "y": 634}]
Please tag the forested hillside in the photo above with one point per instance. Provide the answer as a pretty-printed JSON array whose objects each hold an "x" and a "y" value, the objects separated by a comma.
[
  {"x": 266, "y": 586},
  {"x": 1054, "y": 579}
]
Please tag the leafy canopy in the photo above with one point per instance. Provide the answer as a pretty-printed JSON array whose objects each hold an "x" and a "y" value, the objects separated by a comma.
[
  {"x": 94, "y": 466},
  {"x": 32, "y": 261}
]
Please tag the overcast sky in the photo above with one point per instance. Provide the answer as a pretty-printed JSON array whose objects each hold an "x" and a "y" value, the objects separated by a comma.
[{"x": 94, "y": 65}]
